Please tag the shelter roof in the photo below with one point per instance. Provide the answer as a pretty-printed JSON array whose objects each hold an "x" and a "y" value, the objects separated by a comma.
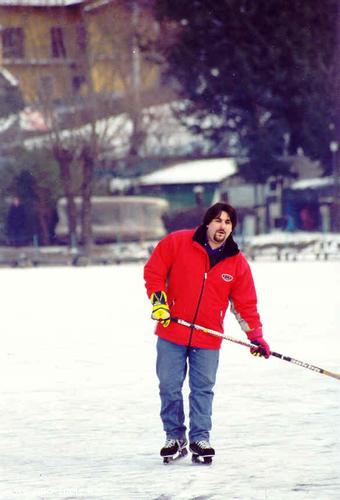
[
  {"x": 314, "y": 183},
  {"x": 192, "y": 172}
]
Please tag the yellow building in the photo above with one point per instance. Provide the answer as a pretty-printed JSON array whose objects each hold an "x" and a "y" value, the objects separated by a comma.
[{"x": 58, "y": 49}]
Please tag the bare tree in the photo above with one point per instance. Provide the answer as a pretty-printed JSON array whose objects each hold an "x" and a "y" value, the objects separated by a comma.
[
  {"x": 104, "y": 83},
  {"x": 112, "y": 75}
]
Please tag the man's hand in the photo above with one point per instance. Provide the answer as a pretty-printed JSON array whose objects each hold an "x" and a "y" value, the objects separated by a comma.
[
  {"x": 256, "y": 337},
  {"x": 160, "y": 308}
]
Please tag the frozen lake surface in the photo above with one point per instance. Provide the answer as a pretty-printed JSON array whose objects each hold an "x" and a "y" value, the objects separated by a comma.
[{"x": 79, "y": 398}]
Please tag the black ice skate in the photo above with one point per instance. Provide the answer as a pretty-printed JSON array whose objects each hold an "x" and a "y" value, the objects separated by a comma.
[
  {"x": 202, "y": 452},
  {"x": 173, "y": 449}
]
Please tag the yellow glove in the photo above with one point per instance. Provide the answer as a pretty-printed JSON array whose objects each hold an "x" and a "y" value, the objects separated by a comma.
[{"x": 160, "y": 308}]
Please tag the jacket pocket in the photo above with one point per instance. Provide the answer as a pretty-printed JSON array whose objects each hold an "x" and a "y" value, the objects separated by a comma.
[{"x": 171, "y": 304}]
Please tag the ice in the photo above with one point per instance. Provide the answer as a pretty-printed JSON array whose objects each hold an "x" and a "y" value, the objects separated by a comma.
[{"x": 79, "y": 407}]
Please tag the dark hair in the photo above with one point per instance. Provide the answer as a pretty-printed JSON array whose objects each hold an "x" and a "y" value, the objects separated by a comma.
[{"x": 215, "y": 210}]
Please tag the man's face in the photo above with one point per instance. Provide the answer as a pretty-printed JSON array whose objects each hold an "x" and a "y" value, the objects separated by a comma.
[{"x": 219, "y": 229}]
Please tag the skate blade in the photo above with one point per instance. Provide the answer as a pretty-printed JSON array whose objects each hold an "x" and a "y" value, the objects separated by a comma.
[
  {"x": 198, "y": 460},
  {"x": 173, "y": 458}
]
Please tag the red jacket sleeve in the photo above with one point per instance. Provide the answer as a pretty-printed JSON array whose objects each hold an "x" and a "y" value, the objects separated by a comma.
[
  {"x": 243, "y": 298},
  {"x": 157, "y": 268}
]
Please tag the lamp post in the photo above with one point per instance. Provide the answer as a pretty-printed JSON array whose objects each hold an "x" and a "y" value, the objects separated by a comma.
[
  {"x": 334, "y": 147},
  {"x": 1, "y": 55}
]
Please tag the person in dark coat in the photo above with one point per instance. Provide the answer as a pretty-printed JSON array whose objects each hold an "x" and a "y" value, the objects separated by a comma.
[{"x": 16, "y": 224}]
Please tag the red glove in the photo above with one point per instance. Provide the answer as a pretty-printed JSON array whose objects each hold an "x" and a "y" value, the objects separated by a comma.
[{"x": 256, "y": 337}]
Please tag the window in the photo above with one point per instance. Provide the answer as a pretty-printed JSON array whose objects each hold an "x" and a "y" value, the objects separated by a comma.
[
  {"x": 45, "y": 87},
  {"x": 57, "y": 42},
  {"x": 12, "y": 43},
  {"x": 77, "y": 82},
  {"x": 81, "y": 37}
]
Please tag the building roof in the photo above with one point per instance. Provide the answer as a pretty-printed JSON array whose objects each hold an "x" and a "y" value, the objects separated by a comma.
[
  {"x": 192, "y": 172},
  {"x": 39, "y": 3},
  {"x": 315, "y": 183}
]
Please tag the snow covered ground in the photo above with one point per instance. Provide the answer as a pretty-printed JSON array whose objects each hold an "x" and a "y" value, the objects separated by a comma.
[{"x": 79, "y": 398}]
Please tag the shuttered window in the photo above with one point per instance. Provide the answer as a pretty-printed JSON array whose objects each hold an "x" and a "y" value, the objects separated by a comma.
[
  {"x": 58, "y": 48},
  {"x": 13, "y": 43}
]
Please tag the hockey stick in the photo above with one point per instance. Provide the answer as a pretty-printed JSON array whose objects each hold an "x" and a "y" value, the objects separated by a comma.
[{"x": 303, "y": 364}]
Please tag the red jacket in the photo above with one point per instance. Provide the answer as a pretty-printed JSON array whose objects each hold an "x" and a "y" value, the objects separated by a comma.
[{"x": 198, "y": 293}]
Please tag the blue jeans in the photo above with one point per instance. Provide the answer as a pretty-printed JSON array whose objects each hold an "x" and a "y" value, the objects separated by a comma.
[{"x": 172, "y": 362}]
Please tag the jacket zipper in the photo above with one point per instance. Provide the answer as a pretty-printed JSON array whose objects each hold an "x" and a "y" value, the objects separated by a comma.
[{"x": 197, "y": 308}]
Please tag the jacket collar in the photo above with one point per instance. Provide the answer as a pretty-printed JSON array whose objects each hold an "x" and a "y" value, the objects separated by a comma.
[{"x": 230, "y": 248}]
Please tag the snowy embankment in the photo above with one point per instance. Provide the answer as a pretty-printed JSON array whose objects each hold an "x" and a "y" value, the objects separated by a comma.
[
  {"x": 300, "y": 245},
  {"x": 79, "y": 399},
  {"x": 272, "y": 246}
]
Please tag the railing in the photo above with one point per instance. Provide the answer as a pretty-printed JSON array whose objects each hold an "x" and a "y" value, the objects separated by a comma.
[{"x": 293, "y": 246}]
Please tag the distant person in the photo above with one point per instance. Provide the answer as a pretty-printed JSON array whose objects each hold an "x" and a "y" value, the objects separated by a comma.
[
  {"x": 307, "y": 219},
  {"x": 53, "y": 221},
  {"x": 193, "y": 275},
  {"x": 290, "y": 224},
  {"x": 16, "y": 223}
]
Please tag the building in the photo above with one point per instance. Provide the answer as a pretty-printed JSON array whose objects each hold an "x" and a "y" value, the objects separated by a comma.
[
  {"x": 189, "y": 188},
  {"x": 58, "y": 49},
  {"x": 308, "y": 204},
  {"x": 188, "y": 183},
  {"x": 11, "y": 100}
]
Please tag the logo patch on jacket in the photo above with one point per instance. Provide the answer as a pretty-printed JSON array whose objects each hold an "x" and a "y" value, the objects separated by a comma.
[{"x": 227, "y": 277}]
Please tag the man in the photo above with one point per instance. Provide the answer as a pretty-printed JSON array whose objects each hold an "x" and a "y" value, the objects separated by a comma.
[{"x": 194, "y": 275}]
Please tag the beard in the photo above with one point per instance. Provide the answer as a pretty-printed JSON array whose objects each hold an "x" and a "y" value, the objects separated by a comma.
[{"x": 219, "y": 236}]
